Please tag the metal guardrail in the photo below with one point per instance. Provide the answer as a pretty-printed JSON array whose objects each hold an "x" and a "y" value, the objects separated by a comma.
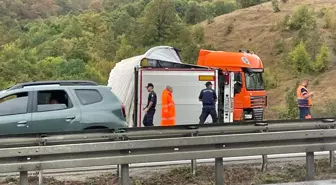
[{"x": 18, "y": 154}]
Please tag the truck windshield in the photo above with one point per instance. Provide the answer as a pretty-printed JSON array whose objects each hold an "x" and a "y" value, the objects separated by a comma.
[{"x": 254, "y": 81}]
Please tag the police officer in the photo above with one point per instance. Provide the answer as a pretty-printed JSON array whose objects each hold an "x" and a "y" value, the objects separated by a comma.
[
  {"x": 150, "y": 108},
  {"x": 209, "y": 98}
]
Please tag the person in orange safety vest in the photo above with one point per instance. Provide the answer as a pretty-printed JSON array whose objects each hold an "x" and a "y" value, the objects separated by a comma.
[
  {"x": 168, "y": 107},
  {"x": 304, "y": 100}
]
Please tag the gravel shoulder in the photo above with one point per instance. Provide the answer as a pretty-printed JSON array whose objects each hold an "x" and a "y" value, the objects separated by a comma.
[{"x": 238, "y": 173}]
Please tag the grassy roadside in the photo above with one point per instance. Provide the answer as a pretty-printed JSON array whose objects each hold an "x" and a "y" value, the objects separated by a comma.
[{"x": 233, "y": 175}]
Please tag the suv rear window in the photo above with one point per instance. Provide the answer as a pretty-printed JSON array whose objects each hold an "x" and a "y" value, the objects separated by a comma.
[{"x": 88, "y": 96}]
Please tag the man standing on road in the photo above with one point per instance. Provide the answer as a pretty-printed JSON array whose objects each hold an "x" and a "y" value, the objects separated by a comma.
[
  {"x": 304, "y": 100},
  {"x": 168, "y": 107},
  {"x": 150, "y": 108},
  {"x": 208, "y": 98}
]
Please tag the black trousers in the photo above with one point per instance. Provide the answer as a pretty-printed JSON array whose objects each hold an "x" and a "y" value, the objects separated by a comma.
[
  {"x": 304, "y": 113},
  {"x": 148, "y": 118},
  {"x": 205, "y": 113}
]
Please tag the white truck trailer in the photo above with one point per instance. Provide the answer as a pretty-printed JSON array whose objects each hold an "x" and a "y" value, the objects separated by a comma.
[{"x": 187, "y": 81}]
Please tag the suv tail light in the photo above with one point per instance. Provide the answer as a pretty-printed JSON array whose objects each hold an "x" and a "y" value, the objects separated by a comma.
[{"x": 123, "y": 110}]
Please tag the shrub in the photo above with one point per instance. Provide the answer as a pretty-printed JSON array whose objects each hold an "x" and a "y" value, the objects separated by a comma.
[
  {"x": 270, "y": 79},
  {"x": 303, "y": 16},
  {"x": 300, "y": 59},
  {"x": 291, "y": 111},
  {"x": 303, "y": 34},
  {"x": 302, "y": 62},
  {"x": 329, "y": 110},
  {"x": 322, "y": 59},
  {"x": 286, "y": 22},
  {"x": 275, "y": 5},
  {"x": 328, "y": 18},
  {"x": 280, "y": 46}
]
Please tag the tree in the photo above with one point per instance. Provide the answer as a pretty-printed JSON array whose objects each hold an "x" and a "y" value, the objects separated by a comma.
[
  {"x": 120, "y": 21},
  {"x": 248, "y": 3},
  {"x": 160, "y": 22},
  {"x": 181, "y": 7},
  {"x": 222, "y": 7},
  {"x": 198, "y": 34},
  {"x": 193, "y": 14}
]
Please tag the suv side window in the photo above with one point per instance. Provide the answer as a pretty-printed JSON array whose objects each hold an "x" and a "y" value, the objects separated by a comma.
[
  {"x": 14, "y": 104},
  {"x": 88, "y": 96},
  {"x": 52, "y": 100}
]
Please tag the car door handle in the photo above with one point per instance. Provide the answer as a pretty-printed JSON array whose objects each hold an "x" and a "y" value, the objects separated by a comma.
[
  {"x": 69, "y": 118},
  {"x": 21, "y": 124}
]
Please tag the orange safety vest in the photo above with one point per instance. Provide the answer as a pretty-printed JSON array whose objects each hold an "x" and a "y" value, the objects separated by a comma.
[
  {"x": 168, "y": 109},
  {"x": 303, "y": 102}
]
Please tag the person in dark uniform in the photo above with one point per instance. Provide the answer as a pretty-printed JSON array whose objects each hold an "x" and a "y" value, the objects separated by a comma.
[
  {"x": 150, "y": 108},
  {"x": 209, "y": 98}
]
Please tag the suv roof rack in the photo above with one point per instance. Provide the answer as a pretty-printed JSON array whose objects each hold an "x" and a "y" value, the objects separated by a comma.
[{"x": 61, "y": 83}]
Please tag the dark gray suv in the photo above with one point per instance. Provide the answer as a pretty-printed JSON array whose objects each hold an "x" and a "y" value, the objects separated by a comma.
[{"x": 58, "y": 106}]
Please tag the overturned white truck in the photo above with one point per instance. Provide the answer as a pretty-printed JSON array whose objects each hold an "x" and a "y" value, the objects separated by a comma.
[{"x": 162, "y": 66}]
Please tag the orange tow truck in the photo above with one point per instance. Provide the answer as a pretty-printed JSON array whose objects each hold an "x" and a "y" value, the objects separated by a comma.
[{"x": 250, "y": 97}]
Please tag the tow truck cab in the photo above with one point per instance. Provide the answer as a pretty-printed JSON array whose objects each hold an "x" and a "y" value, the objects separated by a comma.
[{"x": 250, "y": 97}]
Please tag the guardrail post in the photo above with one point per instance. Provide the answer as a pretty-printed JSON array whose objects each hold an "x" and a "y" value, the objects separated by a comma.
[
  {"x": 193, "y": 166},
  {"x": 125, "y": 174},
  {"x": 264, "y": 163},
  {"x": 40, "y": 177},
  {"x": 332, "y": 158},
  {"x": 23, "y": 178},
  {"x": 264, "y": 160},
  {"x": 310, "y": 166},
  {"x": 219, "y": 171},
  {"x": 118, "y": 171},
  {"x": 331, "y": 154},
  {"x": 193, "y": 163}
]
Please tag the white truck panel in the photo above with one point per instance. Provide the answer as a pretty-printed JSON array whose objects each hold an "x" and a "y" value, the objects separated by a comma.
[
  {"x": 228, "y": 99},
  {"x": 186, "y": 87}
]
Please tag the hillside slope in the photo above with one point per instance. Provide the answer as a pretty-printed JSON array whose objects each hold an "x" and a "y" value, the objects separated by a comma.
[{"x": 258, "y": 28}]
